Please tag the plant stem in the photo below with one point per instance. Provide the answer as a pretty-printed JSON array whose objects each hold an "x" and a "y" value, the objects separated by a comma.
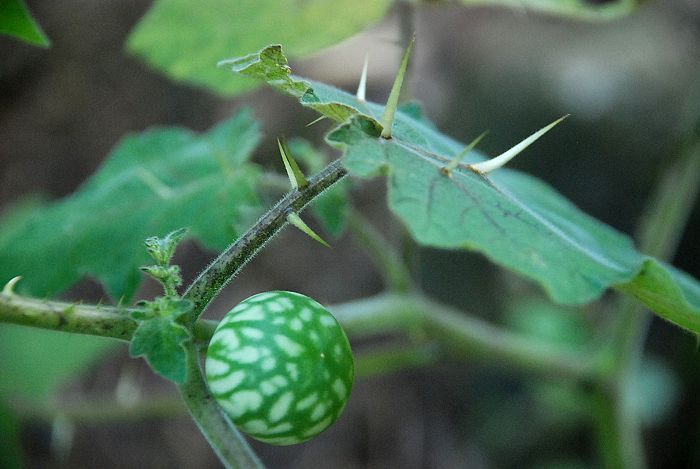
[
  {"x": 104, "y": 321},
  {"x": 465, "y": 336},
  {"x": 223, "y": 436},
  {"x": 619, "y": 428},
  {"x": 208, "y": 284},
  {"x": 395, "y": 272}
]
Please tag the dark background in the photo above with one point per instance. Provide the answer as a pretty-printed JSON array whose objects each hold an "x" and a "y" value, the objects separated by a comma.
[{"x": 627, "y": 85}]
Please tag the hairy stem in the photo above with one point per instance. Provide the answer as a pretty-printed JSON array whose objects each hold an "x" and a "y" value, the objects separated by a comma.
[
  {"x": 104, "y": 321},
  {"x": 223, "y": 436},
  {"x": 210, "y": 282}
]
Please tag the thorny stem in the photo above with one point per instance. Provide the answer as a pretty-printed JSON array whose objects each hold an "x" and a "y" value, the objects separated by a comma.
[
  {"x": 464, "y": 336},
  {"x": 208, "y": 284},
  {"x": 618, "y": 425}
]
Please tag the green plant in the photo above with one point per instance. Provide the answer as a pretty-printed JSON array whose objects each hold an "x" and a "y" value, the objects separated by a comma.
[{"x": 446, "y": 194}]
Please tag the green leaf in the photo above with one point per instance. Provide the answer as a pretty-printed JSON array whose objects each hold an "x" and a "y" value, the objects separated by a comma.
[
  {"x": 580, "y": 9},
  {"x": 160, "y": 339},
  {"x": 186, "y": 39},
  {"x": 152, "y": 183},
  {"x": 16, "y": 21},
  {"x": 35, "y": 361},
  {"x": 162, "y": 249},
  {"x": 514, "y": 219}
]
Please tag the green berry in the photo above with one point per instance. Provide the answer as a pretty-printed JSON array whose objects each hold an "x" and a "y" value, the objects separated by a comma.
[{"x": 280, "y": 365}]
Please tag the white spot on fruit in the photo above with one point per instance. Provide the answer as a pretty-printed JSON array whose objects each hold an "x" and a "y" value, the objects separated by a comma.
[
  {"x": 268, "y": 364},
  {"x": 280, "y": 408},
  {"x": 319, "y": 411},
  {"x": 288, "y": 346},
  {"x": 244, "y": 401},
  {"x": 254, "y": 313},
  {"x": 293, "y": 370},
  {"x": 227, "y": 338},
  {"x": 282, "y": 427},
  {"x": 216, "y": 367},
  {"x": 296, "y": 324},
  {"x": 255, "y": 426},
  {"x": 339, "y": 388},
  {"x": 328, "y": 321},
  {"x": 225, "y": 384},
  {"x": 306, "y": 314},
  {"x": 274, "y": 307},
  {"x": 319, "y": 427},
  {"x": 245, "y": 355},
  {"x": 307, "y": 402},
  {"x": 252, "y": 333}
]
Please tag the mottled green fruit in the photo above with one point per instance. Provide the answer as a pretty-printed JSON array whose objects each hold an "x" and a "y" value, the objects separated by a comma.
[{"x": 281, "y": 366}]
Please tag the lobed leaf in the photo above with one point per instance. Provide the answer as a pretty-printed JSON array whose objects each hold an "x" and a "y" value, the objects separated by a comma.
[
  {"x": 151, "y": 184},
  {"x": 514, "y": 219},
  {"x": 160, "y": 339},
  {"x": 186, "y": 39}
]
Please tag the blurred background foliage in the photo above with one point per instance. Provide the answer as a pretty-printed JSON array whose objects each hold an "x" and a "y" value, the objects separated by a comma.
[{"x": 628, "y": 84}]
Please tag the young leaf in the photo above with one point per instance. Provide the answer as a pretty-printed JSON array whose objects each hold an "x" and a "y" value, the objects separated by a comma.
[
  {"x": 16, "y": 21},
  {"x": 162, "y": 249},
  {"x": 516, "y": 220},
  {"x": 185, "y": 39},
  {"x": 159, "y": 338},
  {"x": 153, "y": 182}
]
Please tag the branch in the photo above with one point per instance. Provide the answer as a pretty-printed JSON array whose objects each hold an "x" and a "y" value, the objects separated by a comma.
[
  {"x": 210, "y": 282},
  {"x": 223, "y": 436},
  {"x": 104, "y": 321}
]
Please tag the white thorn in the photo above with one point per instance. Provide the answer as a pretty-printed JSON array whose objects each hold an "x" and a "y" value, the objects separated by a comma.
[
  {"x": 488, "y": 166},
  {"x": 9, "y": 288},
  {"x": 362, "y": 87}
]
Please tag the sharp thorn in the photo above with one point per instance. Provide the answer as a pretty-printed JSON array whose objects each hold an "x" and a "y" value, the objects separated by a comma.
[
  {"x": 449, "y": 167},
  {"x": 9, "y": 288},
  {"x": 488, "y": 166},
  {"x": 296, "y": 220},
  {"x": 393, "y": 101},
  {"x": 315, "y": 121},
  {"x": 296, "y": 177},
  {"x": 362, "y": 86}
]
